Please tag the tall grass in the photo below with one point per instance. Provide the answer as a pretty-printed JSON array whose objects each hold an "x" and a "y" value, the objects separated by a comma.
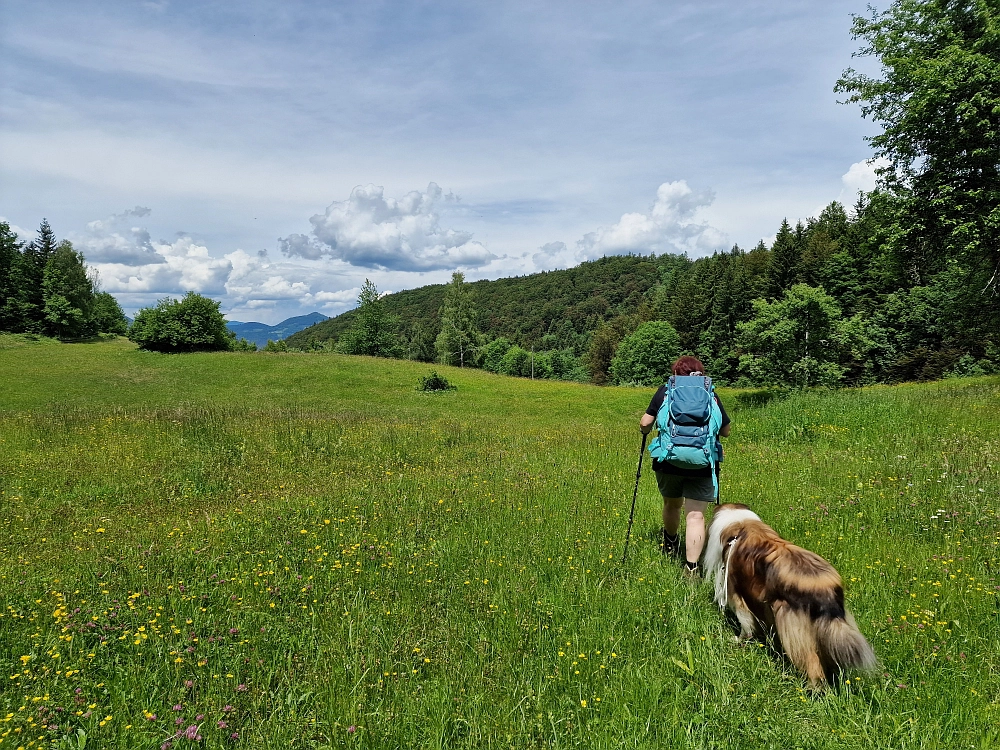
[{"x": 304, "y": 551}]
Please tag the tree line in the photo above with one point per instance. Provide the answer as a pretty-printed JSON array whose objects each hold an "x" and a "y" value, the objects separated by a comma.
[
  {"x": 829, "y": 302},
  {"x": 46, "y": 289}
]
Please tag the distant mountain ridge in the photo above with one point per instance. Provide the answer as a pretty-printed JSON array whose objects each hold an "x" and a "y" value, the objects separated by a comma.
[{"x": 261, "y": 333}]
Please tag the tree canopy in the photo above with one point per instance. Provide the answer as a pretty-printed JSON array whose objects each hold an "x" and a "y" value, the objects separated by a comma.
[
  {"x": 644, "y": 356},
  {"x": 938, "y": 103}
]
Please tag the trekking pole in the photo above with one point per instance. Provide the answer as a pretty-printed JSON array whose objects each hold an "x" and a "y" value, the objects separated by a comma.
[{"x": 631, "y": 514}]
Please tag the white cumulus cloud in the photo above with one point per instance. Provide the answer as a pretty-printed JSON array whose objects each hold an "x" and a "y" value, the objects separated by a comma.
[
  {"x": 669, "y": 226},
  {"x": 118, "y": 240},
  {"x": 176, "y": 267},
  {"x": 861, "y": 176},
  {"x": 371, "y": 230}
]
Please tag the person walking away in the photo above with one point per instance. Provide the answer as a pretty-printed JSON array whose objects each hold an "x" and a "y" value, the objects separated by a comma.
[{"x": 690, "y": 488}]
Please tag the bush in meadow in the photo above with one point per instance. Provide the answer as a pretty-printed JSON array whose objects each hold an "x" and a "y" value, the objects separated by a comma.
[{"x": 191, "y": 324}]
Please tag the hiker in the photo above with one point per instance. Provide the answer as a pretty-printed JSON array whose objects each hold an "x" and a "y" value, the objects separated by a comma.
[{"x": 694, "y": 488}]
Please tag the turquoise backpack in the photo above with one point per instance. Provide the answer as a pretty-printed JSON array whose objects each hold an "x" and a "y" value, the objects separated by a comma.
[{"x": 688, "y": 425}]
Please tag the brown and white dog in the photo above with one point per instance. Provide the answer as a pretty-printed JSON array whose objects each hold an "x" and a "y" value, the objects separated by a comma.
[{"x": 772, "y": 585}]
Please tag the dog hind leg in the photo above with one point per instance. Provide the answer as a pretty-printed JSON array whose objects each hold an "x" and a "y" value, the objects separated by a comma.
[
  {"x": 744, "y": 616},
  {"x": 798, "y": 639}
]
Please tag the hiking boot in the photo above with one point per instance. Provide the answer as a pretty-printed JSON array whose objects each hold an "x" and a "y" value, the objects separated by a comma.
[
  {"x": 671, "y": 545},
  {"x": 691, "y": 571}
]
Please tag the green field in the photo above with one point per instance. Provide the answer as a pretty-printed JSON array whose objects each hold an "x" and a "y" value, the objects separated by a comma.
[{"x": 303, "y": 551}]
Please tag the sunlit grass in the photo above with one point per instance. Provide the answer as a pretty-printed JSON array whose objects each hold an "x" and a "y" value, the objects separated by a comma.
[{"x": 304, "y": 551}]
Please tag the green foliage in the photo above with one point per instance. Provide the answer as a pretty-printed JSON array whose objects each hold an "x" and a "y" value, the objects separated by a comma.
[
  {"x": 604, "y": 343},
  {"x": 523, "y": 309},
  {"x": 373, "y": 332},
  {"x": 795, "y": 341},
  {"x": 938, "y": 104},
  {"x": 11, "y": 315},
  {"x": 459, "y": 339},
  {"x": 561, "y": 364},
  {"x": 783, "y": 270},
  {"x": 241, "y": 345},
  {"x": 418, "y": 342},
  {"x": 191, "y": 324},
  {"x": 276, "y": 346},
  {"x": 644, "y": 357},
  {"x": 434, "y": 382},
  {"x": 68, "y": 293},
  {"x": 493, "y": 353},
  {"x": 107, "y": 315},
  {"x": 517, "y": 362},
  {"x": 164, "y": 494}
]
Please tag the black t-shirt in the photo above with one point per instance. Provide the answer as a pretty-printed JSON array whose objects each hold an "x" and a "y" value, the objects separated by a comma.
[{"x": 665, "y": 466}]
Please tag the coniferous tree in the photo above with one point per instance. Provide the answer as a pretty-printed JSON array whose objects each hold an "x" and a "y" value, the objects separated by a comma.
[
  {"x": 784, "y": 266},
  {"x": 10, "y": 263},
  {"x": 31, "y": 274},
  {"x": 756, "y": 264}
]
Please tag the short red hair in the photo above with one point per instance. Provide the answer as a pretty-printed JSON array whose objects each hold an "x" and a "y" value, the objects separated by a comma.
[{"x": 686, "y": 365}]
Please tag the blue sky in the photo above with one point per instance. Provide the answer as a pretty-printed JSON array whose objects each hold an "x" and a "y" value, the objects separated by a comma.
[{"x": 273, "y": 155}]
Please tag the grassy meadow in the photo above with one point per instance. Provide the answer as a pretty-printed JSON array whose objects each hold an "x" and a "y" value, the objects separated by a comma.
[{"x": 302, "y": 551}]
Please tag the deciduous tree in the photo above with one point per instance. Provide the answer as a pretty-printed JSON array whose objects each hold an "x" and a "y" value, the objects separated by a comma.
[
  {"x": 193, "y": 323},
  {"x": 794, "y": 341},
  {"x": 459, "y": 339},
  {"x": 937, "y": 100},
  {"x": 644, "y": 357},
  {"x": 67, "y": 293}
]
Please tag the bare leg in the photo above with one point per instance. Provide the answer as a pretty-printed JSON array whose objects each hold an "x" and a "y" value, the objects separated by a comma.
[
  {"x": 694, "y": 533},
  {"x": 672, "y": 514}
]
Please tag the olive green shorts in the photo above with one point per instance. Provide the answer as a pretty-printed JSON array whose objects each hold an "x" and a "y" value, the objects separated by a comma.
[{"x": 692, "y": 488}]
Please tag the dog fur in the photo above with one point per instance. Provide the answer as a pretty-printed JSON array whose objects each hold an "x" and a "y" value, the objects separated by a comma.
[{"x": 773, "y": 586}]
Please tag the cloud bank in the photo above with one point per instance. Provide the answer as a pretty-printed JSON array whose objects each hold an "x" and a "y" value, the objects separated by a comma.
[
  {"x": 139, "y": 270},
  {"x": 370, "y": 230},
  {"x": 668, "y": 227}
]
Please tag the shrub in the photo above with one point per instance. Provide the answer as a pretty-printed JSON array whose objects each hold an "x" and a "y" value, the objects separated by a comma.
[
  {"x": 276, "y": 346},
  {"x": 493, "y": 354},
  {"x": 434, "y": 382},
  {"x": 516, "y": 362},
  {"x": 191, "y": 324},
  {"x": 242, "y": 345}
]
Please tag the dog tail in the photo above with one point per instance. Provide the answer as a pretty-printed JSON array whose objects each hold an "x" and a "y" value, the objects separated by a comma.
[{"x": 842, "y": 644}]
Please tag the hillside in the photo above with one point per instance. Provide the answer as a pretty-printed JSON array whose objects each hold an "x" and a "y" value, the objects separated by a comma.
[
  {"x": 523, "y": 308},
  {"x": 301, "y": 550}
]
